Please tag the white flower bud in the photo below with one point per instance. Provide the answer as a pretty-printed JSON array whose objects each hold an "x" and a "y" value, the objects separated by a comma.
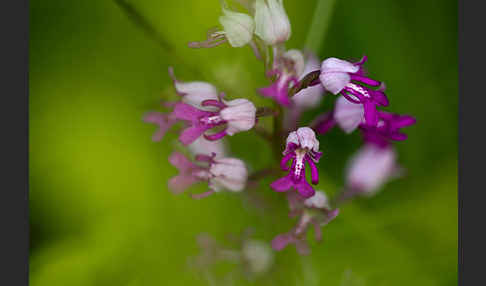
[
  {"x": 240, "y": 115},
  {"x": 272, "y": 22},
  {"x": 229, "y": 173},
  {"x": 258, "y": 255},
  {"x": 238, "y": 27}
]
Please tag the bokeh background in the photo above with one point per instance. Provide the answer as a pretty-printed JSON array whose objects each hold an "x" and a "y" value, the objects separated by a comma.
[{"x": 100, "y": 210}]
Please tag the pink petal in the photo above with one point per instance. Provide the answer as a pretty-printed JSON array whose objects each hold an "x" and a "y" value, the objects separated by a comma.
[{"x": 282, "y": 184}]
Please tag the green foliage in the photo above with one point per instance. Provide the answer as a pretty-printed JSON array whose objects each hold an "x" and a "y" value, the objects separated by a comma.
[{"x": 101, "y": 213}]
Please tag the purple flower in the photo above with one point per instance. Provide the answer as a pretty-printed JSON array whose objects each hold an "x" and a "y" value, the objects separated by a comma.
[
  {"x": 162, "y": 120},
  {"x": 287, "y": 68},
  {"x": 301, "y": 147},
  {"x": 370, "y": 168},
  {"x": 314, "y": 211},
  {"x": 192, "y": 93},
  {"x": 349, "y": 116},
  {"x": 220, "y": 173},
  {"x": 339, "y": 76},
  {"x": 387, "y": 128},
  {"x": 235, "y": 116}
]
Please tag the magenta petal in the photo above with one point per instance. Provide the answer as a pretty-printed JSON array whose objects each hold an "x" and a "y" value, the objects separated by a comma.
[
  {"x": 370, "y": 114},
  {"x": 380, "y": 98},
  {"x": 314, "y": 172},
  {"x": 181, "y": 182},
  {"x": 281, "y": 241},
  {"x": 190, "y": 134},
  {"x": 188, "y": 112},
  {"x": 161, "y": 120},
  {"x": 202, "y": 195},
  {"x": 213, "y": 102},
  {"x": 324, "y": 122},
  {"x": 305, "y": 189},
  {"x": 180, "y": 161},
  {"x": 204, "y": 158},
  {"x": 216, "y": 136},
  {"x": 282, "y": 184},
  {"x": 406, "y": 120},
  {"x": 285, "y": 159},
  {"x": 280, "y": 95},
  {"x": 365, "y": 80},
  {"x": 398, "y": 136}
]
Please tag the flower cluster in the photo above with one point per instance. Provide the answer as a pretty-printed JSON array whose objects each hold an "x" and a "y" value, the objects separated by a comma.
[{"x": 298, "y": 81}]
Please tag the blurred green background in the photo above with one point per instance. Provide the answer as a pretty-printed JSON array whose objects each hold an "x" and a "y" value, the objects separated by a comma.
[{"x": 100, "y": 210}]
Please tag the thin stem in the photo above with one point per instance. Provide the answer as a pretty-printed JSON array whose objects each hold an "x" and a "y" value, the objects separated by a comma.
[
  {"x": 343, "y": 197},
  {"x": 263, "y": 173},
  {"x": 262, "y": 132},
  {"x": 265, "y": 111}
]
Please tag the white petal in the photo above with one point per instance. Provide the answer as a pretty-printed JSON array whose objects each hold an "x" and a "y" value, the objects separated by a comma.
[
  {"x": 240, "y": 115},
  {"x": 370, "y": 168},
  {"x": 230, "y": 174},
  {"x": 238, "y": 27},
  {"x": 334, "y": 82},
  {"x": 307, "y": 138},
  {"x": 195, "y": 92},
  {"x": 207, "y": 147},
  {"x": 309, "y": 97},
  {"x": 348, "y": 115},
  {"x": 272, "y": 22},
  {"x": 337, "y": 65}
]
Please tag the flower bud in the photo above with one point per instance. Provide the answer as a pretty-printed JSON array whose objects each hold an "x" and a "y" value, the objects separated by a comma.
[
  {"x": 238, "y": 27},
  {"x": 272, "y": 22},
  {"x": 371, "y": 168},
  {"x": 258, "y": 255}
]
